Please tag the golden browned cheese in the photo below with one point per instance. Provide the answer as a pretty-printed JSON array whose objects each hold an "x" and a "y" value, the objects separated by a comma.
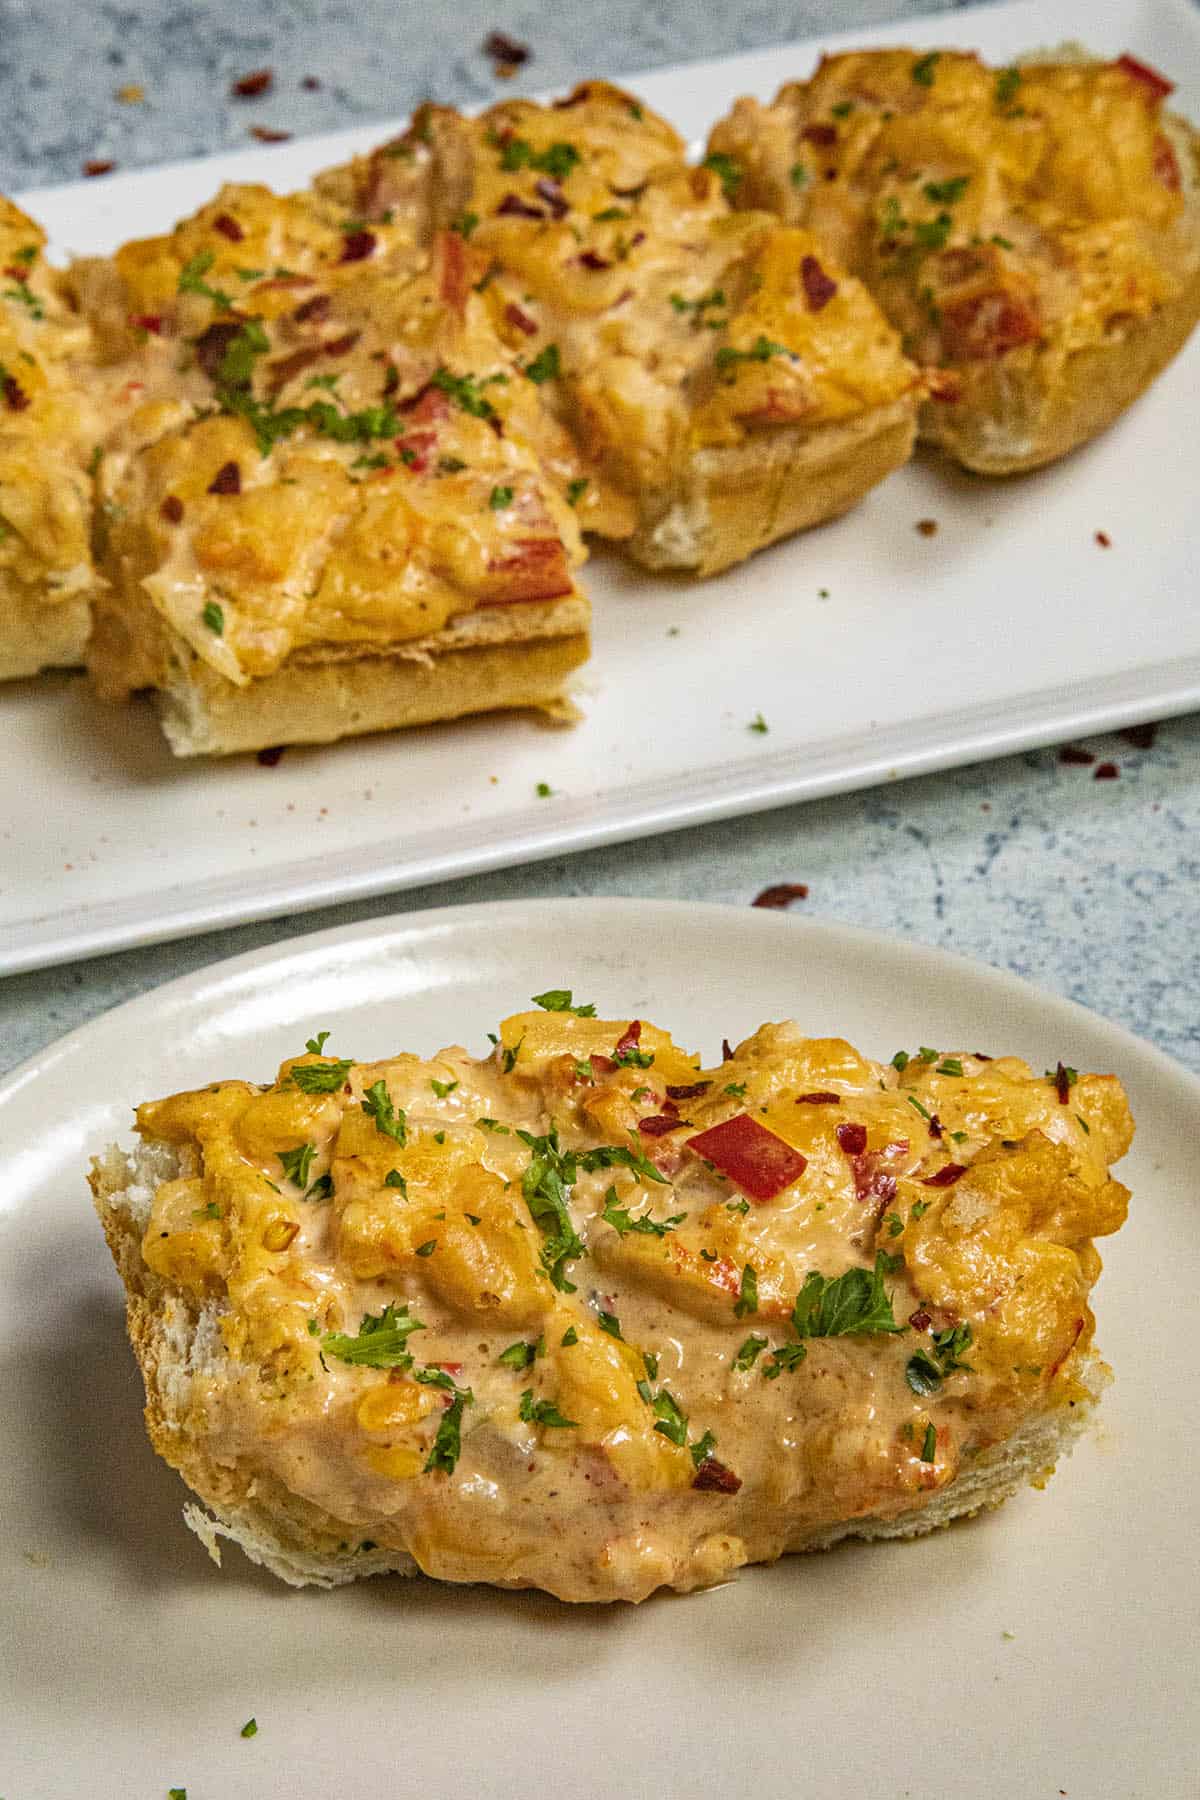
[
  {"x": 518, "y": 1317},
  {"x": 316, "y": 439},
  {"x": 666, "y": 322},
  {"x": 986, "y": 209},
  {"x": 48, "y": 427}
]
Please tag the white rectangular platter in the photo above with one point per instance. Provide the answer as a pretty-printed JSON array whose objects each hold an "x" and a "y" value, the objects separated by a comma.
[{"x": 869, "y": 650}]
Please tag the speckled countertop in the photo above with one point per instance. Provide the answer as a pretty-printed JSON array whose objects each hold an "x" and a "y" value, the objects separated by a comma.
[{"x": 1086, "y": 887}]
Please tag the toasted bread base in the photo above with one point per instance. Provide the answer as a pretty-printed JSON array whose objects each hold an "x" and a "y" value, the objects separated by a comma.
[
  {"x": 37, "y": 634},
  {"x": 1034, "y": 405},
  {"x": 739, "y": 499},
  {"x": 492, "y": 659},
  {"x": 306, "y": 1547}
]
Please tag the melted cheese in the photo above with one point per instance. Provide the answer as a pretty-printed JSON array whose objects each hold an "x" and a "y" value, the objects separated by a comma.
[{"x": 439, "y": 1213}]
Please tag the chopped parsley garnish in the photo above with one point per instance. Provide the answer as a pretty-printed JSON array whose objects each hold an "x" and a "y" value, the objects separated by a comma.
[
  {"x": 758, "y": 724},
  {"x": 24, "y": 293},
  {"x": 427, "y": 1248},
  {"x": 465, "y": 392},
  {"x": 1007, "y": 83},
  {"x": 26, "y": 254},
  {"x": 895, "y": 1224},
  {"x": 932, "y": 234},
  {"x": 557, "y": 161},
  {"x": 843, "y": 109},
  {"x": 918, "y": 1207},
  {"x": 465, "y": 223},
  {"x": 297, "y": 1163},
  {"x": 727, "y": 169},
  {"x": 562, "y": 1000},
  {"x": 700, "y": 306},
  {"x": 508, "y": 1059},
  {"x": 915, "y": 1103},
  {"x": 518, "y": 1355},
  {"x": 799, "y": 175},
  {"x": 946, "y": 193},
  {"x": 542, "y": 1412},
  {"x": 442, "y": 1088},
  {"x": 576, "y": 490},
  {"x": 900, "y": 1061},
  {"x": 213, "y": 616},
  {"x": 849, "y": 1304},
  {"x": 926, "y": 1368},
  {"x": 321, "y": 1189},
  {"x": 191, "y": 280},
  {"x": 703, "y": 1448},
  {"x": 250, "y": 1728},
  {"x": 762, "y": 350},
  {"x": 750, "y": 1352},
  {"x": 671, "y": 1419},
  {"x": 949, "y": 1065},
  {"x": 494, "y": 1125},
  {"x": 543, "y": 790},
  {"x": 389, "y": 1120},
  {"x": 786, "y": 1357},
  {"x": 381, "y": 1340},
  {"x": 546, "y": 1185},
  {"x": 736, "y": 1090},
  {"x": 447, "y": 1445},
  {"x": 610, "y": 215},
  {"x": 617, "y": 1156},
  {"x": 570, "y": 1336},
  {"x": 499, "y": 498},
  {"x": 545, "y": 365},
  {"x": 315, "y": 1045},
  {"x": 394, "y": 1179},
  {"x": 747, "y": 1301},
  {"x": 209, "y": 1211},
  {"x": 320, "y": 1077},
  {"x": 609, "y": 1322},
  {"x": 922, "y": 70},
  {"x": 633, "y": 1057},
  {"x": 622, "y": 1220},
  {"x": 929, "y": 1444}
]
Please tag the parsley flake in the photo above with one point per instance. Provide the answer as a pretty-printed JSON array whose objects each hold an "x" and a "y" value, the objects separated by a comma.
[
  {"x": 213, "y": 616},
  {"x": 923, "y": 69},
  {"x": 727, "y": 169},
  {"x": 747, "y": 1301},
  {"x": 542, "y": 1412},
  {"x": 389, "y": 1120},
  {"x": 499, "y": 498},
  {"x": 191, "y": 281},
  {"x": 562, "y": 1000},
  {"x": 750, "y": 1352},
  {"x": 297, "y": 1163},
  {"x": 320, "y": 1077},
  {"x": 442, "y": 1088},
  {"x": 545, "y": 366},
  {"x": 381, "y": 1340},
  {"x": 447, "y": 1445}
]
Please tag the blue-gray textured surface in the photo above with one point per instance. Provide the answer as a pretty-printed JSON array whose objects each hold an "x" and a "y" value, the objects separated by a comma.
[{"x": 1086, "y": 887}]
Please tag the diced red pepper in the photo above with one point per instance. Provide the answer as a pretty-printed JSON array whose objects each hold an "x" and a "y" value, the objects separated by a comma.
[
  {"x": 945, "y": 1177},
  {"x": 1156, "y": 86},
  {"x": 760, "y": 1163}
]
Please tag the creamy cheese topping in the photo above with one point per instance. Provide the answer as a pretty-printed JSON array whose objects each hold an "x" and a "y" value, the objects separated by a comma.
[{"x": 587, "y": 1316}]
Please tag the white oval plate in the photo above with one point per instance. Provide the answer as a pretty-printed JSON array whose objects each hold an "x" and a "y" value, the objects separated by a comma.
[{"x": 1046, "y": 1647}]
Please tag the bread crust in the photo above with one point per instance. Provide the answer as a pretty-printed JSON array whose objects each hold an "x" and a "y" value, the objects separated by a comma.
[
  {"x": 740, "y": 499},
  {"x": 37, "y": 634}
]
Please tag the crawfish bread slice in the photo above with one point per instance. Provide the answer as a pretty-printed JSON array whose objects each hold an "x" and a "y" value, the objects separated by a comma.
[
  {"x": 583, "y": 1315},
  {"x": 1033, "y": 231},
  {"x": 330, "y": 503},
  {"x": 49, "y": 429},
  {"x": 726, "y": 382}
]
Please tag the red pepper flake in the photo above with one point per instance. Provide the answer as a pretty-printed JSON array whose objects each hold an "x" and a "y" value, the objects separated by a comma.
[
  {"x": 927, "y": 527},
  {"x": 819, "y": 288},
  {"x": 310, "y": 84},
  {"x": 99, "y": 165},
  {"x": 1103, "y": 539},
  {"x": 522, "y": 321},
  {"x": 1106, "y": 771},
  {"x": 1076, "y": 755},
  {"x": 1156, "y": 86},
  {"x": 1062, "y": 1083},
  {"x": 660, "y": 1124},
  {"x": 760, "y": 1163},
  {"x": 818, "y": 1099},
  {"x": 228, "y": 227},
  {"x": 591, "y": 259},
  {"x": 270, "y": 757},
  {"x": 712, "y": 1477},
  {"x": 820, "y": 134},
  {"x": 15, "y": 397},
  {"x": 249, "y": 87},
  {"x": 172, "y": 509},
  {"x": 552, "y": 194},
  {"x": 504, "y": 49},
  {"x": 151, "y": 322},
  {"x": 512, "y": 206},
  {"x": 920, "y": 1320},
  {"x": 313, "y": 311},
  {"x": 691, "y": 1091},
  {"x": 266, "y": 134},
  {"x": 1140, "y": 736},
  {"x": 781, "y": 895},
  {"x": 227, "y": 480},
  {"x": 852, "y": 1138},
  {"x": 945, "y": 1177},
  {"x": 630, "y": 1038},
  {"x": 357, "y": 246}
]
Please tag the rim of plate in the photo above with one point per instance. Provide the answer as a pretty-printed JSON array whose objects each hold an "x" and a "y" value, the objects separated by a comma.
[{"x": 180, "y": 993}]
